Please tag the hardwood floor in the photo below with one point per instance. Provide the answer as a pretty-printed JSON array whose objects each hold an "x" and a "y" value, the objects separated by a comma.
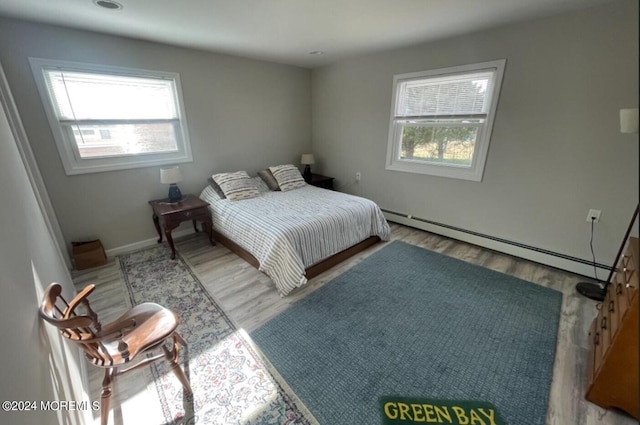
[{"x": 250, "y": 299}]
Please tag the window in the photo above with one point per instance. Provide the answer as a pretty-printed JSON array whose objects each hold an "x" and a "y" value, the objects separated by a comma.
[
  {"x": 108, "y": 118},
  {"x": 441, "y": 120}
]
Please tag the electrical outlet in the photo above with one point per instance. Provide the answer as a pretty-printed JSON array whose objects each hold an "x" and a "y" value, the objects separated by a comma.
[
  {"x": 594, "y": 215},
  {"x": 358, "y": 176}
]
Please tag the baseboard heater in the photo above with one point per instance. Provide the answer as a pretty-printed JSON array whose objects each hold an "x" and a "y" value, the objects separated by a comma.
[{"x": 501, "y": 240}]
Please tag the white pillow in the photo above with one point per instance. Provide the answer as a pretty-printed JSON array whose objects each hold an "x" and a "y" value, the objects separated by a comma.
[
  {"x": 236, "y": 186},
  {"x": 288, "y": 177}
]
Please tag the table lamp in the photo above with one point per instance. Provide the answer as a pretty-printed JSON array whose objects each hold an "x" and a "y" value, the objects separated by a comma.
[
  {"x": 171, "y": 176},
  {"x": 307, "y": 159}
]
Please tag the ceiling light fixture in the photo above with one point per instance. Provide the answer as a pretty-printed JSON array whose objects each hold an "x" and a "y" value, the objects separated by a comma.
[
  {"x": 108, "y": 4},
  {"x": 316, "y": 52}
]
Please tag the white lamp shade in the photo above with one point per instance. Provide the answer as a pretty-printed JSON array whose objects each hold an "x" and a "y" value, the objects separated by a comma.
[
  {"x": 629, "y": 120},
  {"x": 170, "y": 175},
  {"x": 307, "y": 159}
]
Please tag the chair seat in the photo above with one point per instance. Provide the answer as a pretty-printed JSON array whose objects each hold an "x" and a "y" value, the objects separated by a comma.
[{"x": 153, "y": 324}]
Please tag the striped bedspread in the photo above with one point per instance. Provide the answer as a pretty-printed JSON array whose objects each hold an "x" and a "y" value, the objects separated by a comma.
[{"x": 290, "y": 231}]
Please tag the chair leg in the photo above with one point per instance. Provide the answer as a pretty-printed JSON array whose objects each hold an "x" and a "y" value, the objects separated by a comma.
[
  {"x": 172, "y": 357},
  {"x": 105, "y": 397},
  {"x": 178, "y": 338}
]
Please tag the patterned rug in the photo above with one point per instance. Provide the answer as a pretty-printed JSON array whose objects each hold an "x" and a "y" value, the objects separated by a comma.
[
  {"x": 408, "y": 322},
  {"x": 231, "y": 383}
]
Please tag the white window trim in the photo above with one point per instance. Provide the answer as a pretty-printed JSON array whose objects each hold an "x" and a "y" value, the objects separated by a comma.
[
  {"x": 476, "y": 171},
  {"x": 71, "y": 161}
]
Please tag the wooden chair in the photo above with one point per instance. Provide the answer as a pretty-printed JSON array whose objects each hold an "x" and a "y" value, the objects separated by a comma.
[{"x": 130, "y": 340}]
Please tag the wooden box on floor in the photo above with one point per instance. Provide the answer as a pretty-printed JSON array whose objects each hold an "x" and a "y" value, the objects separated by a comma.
[
  {"x": 613, "y": 362},
  {"x": 88, "y": 254}
]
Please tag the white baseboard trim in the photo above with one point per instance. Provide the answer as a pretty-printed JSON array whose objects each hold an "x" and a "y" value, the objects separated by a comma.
[
  {"x": 516, "y": 251},
  {"x": 125, "y": 249}
]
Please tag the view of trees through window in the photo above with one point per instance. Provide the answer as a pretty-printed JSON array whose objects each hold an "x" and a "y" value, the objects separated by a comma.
[
  {"x": 439, "y": 118},
  {"x": 451, "y": 145}
]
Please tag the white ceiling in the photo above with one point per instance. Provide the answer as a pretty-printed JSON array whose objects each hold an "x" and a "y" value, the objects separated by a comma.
[{"x": 286, "y": 31}]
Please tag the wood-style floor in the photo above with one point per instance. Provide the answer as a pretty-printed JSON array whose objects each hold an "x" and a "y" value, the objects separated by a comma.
[{"x": 250, "y": 299}]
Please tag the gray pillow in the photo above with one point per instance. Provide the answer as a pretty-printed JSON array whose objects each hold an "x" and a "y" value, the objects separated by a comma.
[
  {"x": 215, "y": 187},
  {"x": 268, "y": 178}
]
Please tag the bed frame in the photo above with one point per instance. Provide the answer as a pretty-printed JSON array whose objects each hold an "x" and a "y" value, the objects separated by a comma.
[{"x": 311, "y": 271}]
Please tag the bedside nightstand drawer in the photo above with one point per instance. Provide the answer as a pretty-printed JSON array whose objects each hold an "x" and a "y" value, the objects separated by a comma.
[{"x": 179, "y": 217}]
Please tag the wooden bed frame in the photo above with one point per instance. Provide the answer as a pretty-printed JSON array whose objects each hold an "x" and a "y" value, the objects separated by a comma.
[{"x": 311, "y": 271}]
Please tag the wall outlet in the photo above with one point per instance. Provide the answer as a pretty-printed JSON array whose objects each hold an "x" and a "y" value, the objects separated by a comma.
[
  {"x": 358, "y": 176},
  {"x": 594, "y": 215}
]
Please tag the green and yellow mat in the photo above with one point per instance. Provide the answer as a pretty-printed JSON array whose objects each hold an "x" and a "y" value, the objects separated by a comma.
[{"x": 407, "y": 410}]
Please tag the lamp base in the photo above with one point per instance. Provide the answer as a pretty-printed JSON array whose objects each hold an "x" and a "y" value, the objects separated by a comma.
[
  {"x": 174, "y": 193},
  {"x": 592, "y": 290},
  {"x": 306, "y": 174}
]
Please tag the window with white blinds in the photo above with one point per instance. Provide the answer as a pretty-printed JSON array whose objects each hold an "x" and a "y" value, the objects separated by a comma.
[
  {"x": 441, "y": 120},
  {"x": 107, "y": 118}
]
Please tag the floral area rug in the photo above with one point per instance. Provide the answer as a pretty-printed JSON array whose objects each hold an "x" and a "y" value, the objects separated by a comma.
[{"x": 231, "y": 382}]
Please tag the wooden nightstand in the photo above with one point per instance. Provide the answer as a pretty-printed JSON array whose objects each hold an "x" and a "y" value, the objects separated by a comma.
[
  {"x": 319, "y": 180},
  {"x": 169, "y": 216}
]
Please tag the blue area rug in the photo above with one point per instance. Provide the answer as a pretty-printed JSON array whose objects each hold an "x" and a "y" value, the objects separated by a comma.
[{"x": 410, "y": 322}]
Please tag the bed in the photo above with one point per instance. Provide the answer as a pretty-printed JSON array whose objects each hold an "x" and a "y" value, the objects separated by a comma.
[{"x": 292, "y": 236}]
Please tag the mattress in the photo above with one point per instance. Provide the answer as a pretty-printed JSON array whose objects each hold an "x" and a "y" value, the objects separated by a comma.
[{"x": 288, "y": 232}]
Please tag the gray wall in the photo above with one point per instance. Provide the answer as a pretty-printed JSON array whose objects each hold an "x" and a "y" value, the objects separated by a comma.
[
  {"x": 242, "y": 114},
  {"x": 556, "y": 149},
  {"x": 37, "y": 363}
]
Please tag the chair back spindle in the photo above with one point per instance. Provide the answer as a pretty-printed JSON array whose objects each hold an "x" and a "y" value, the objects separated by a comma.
[{"x": 76, "y": 321}]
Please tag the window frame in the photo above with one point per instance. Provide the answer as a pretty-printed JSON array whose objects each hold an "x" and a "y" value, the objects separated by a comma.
[
  {"x": 66, "y": 144},
  {"x": 474, "y": 172}
]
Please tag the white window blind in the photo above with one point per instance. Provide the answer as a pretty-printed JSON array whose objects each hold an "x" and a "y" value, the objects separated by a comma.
[
  {"x": 87, "y": 96},
  {"x": 455, "y": 95}
]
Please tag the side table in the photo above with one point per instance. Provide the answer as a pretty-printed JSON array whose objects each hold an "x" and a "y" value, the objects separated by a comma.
[
  {"x": 319, "y": 180},
  {"x": 168, "y": 216}
]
